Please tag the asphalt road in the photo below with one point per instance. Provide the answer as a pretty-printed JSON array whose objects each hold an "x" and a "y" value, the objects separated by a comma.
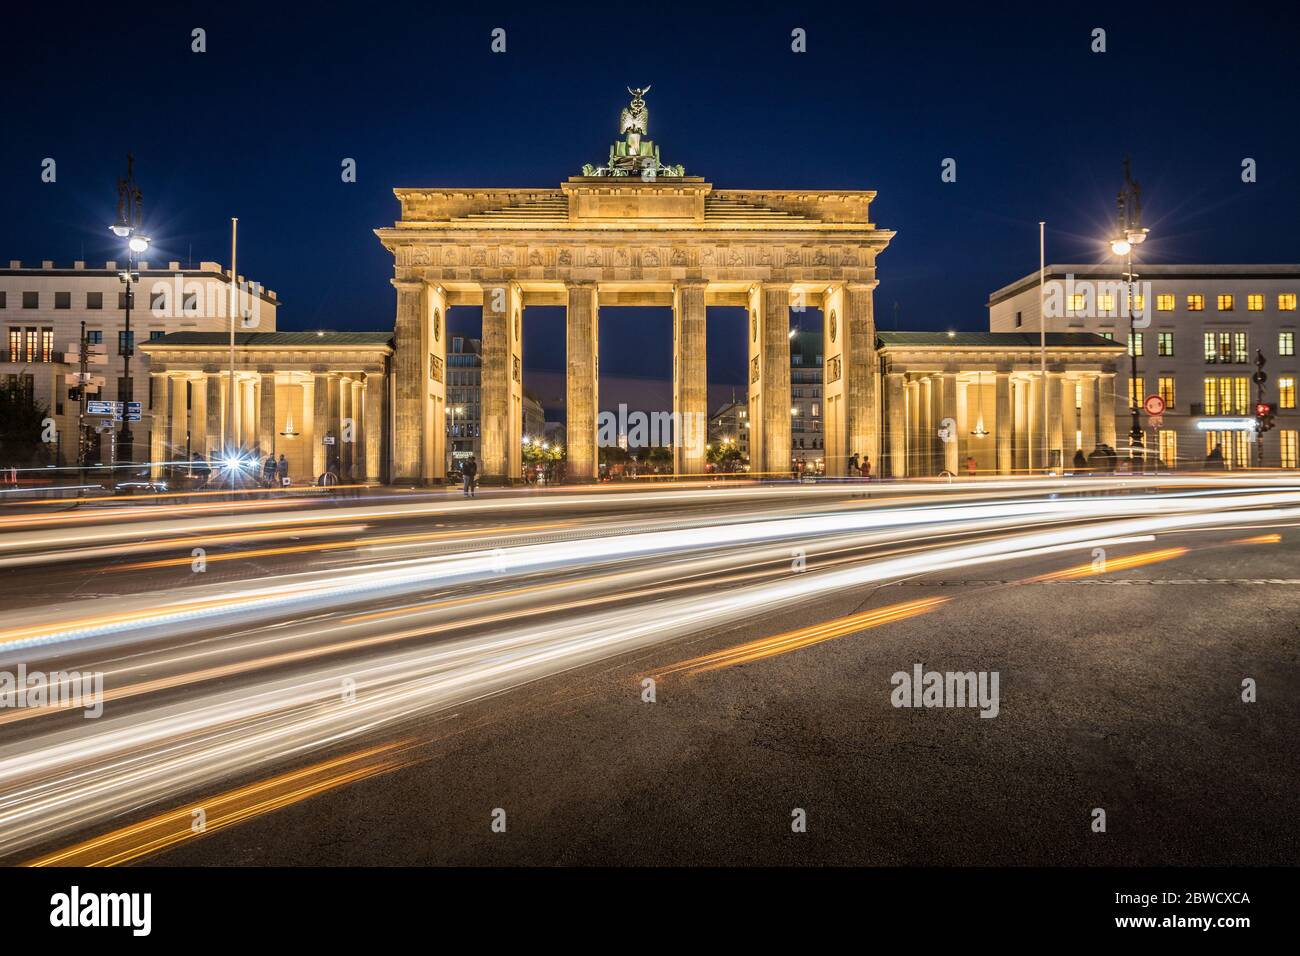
[{"x": 495, "y": 713}]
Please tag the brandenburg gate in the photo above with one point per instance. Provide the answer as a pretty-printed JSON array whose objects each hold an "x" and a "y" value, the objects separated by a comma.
[{"x": 633, "y": 231}]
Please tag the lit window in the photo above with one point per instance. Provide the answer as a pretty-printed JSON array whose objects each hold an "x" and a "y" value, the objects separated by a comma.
[
  {"x": 1211, "y": 348},
  {"x": 1105, "y": 303},
  {"x": 1195, "y": 303},
  {"x": 1286, "y": 343},
  {"x": 1169, "y": 447},
  {"x": 1138, "y": 303},
  {"x": 1290, "y": 448},
  {"x": 1077, "y": 302},
  {"x": 1255, "y": 302},
  {"x": 1164, "y": 343},
  {"x": 1226, "y": 303},
  {"x": 15, "y": 345},
  {"x": 47, "y": 345},
  {"x": 1165, "y": 302},
  {"x": 1107, "y": 335},
  {"x": 1135, "y": 343},
  {"x": 1286, "y": 301},
  {"x": 1137, "y": 392},
  {"x": 1286, "y": 391},
  {"x": 1240, "y": 353},
  {"x": 1166, "y": 390}
]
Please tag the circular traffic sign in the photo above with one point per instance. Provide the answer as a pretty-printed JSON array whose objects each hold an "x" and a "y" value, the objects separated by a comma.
[{"x": 1155, "y": 405}]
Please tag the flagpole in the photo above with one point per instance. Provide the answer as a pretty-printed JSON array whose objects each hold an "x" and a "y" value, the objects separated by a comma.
[{"x": 1042, "y": 344}]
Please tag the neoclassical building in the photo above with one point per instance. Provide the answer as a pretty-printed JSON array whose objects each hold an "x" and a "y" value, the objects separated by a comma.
[{"x": 638, "y": 232}]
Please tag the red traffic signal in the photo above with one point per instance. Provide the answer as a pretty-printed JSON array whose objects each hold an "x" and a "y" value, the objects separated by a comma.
[{"x": 1262, "y": 409}]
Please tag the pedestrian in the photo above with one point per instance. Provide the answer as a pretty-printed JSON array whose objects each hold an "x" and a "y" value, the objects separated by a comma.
[
  {"x": 268, "y": 471},
  {"x": 854, "y": 467},
  {"x": 1214, "y": 460},
  {"x": 866, "y": 467},
  {"x": 1080, "y": 462},
  {"x": 282, "y": 470},
  {"x": 469, "y": 471},
  {"x": 972, "y": 466}
]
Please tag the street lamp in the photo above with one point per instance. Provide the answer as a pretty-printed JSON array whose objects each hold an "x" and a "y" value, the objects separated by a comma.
[
  {"x": 1131, "y": 233},
  {"x": 130, "y": 209}
]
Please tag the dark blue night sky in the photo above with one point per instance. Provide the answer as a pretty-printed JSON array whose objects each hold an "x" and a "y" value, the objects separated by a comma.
[{"x": 257, "y": 127}]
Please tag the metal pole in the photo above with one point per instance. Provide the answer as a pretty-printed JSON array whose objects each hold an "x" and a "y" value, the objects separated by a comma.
[
  {"x": 234, "y": 308},
  {"x": 1135, "y": 433},
  {"x": 1042, "y": 339},
  {"x": 83, "y": 367}
]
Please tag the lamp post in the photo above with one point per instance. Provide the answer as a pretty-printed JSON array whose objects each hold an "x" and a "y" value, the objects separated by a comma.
[
  {"x": 1131, "y": 233},
  {"x": 130, "y": 210}
]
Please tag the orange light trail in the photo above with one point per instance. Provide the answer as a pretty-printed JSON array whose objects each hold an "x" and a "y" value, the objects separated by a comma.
[
  {"x": 804, "y": 637},
  {"x": 1111, "y": 564}
]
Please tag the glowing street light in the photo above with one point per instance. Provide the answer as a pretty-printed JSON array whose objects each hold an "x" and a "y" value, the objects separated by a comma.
[
  {"x": 130, "y": 211},
  {"x": 1131, "y": 233}
]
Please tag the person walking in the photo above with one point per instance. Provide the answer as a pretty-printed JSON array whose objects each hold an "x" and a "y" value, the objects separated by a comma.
[
  {"x": 854, "y": 467},
  {"x": 469, "y": 472},
  {"x": 972, "y": 466},
  {"x": 282, "y": 470},
  {"x": 1080, "y": 462},
  {"x": 866, "y": 467},
  {"x": 268, "y": 471}
]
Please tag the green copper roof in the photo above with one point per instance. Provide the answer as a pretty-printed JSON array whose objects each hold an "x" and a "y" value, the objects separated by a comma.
[{"x": 1007, "y": 340}]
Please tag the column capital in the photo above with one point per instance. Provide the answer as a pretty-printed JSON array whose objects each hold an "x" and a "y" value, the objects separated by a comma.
[
  {"x": 580, "y": 284},
  {"x": 407, "y": 285},
  {"x": 690, "y": 283},
  {"x": 857, "y": 285}
]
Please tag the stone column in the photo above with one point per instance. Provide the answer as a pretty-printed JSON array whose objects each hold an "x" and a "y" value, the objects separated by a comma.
[
  {"x": 1037, "y": 453},
  {"x": 862, "y": 421},
  {"x": 502, "y": 378},
  {"x": 160, "y": 424},
  {"x": 346, "y": 429},
  {"x": 774, "y": 337},
  {"x": 1020, "y": 428},
  {"x": 374, "y": 427},
  {"x": 1056, "y": 441},
  {"x": 896, "y": 408},
  {"x": 1088, "y": 414},
  {"x": 212, "y": 384},
  {"x": 434, "y": 448},
  {"x": 1106, "y": 408},
  {"x": 408, "y": 371},
  {"x": 180, "y": 418},
  {"x": 582, "y": 401},
  {"x": 1002, "y": 422},
  {"x": 690, "y": 378},
  {"x": 248, "y": 412},
  {"x": 320, "y": 422},
  {"x": 358, "y": 469},
  {"x": 266, "y": 413},
  {"x": 949, "y": 423},
  {"x": 1069, "y": 422}
]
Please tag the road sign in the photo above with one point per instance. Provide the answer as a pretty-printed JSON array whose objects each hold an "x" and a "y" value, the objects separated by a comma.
[
  {"x": 328, "y": 440},
  {"x": 1156, "y": 421},
  {"x": 103, "y": 408},
  {"x": 76, "y": 378},
  {"x": 1155, "y": 406},
  {"x": 133, "y": 417}
]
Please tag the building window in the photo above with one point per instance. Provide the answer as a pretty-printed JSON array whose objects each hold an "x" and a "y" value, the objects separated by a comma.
[
  {"x": 1137, "y": 391},
  {"x": 1165, "y": 302},
  {"x": 1286, "y": 301},
  {"x": 1234, "y": 447},
  {"x": 121, "y": 300},
  {"x": 1226, "y": 303},
  {"x": 1107, "y": 335},
  {"x": 123, "y": 389},
  {"x": 15, "y": 345},
  {"x": 1288, "y": 442},
  {"x": 1164, "y": 343},
  {"x": 1106, "y": 303},
  {"x": 94, "y": 300},
  {"x": 1078, "y": 302},
  {"x": 1240, "y": 352},
  {"x": 1018, "y": 320},
  {"x": 47, "y": 345},
  {"x": 31, "y": 300},
  {"x": 95, "y": 337},
  {"x": 1286, "y": 391},
  {"x": 156, "y": 334},
  {"x": 1196, "y": 303},
  {"x": 32, "y": 339},
  {"x": 63, "y": 300},
  {"x": 1135, "y": 343},
  {"x": 1255, "y": 302},
  {"x": 1166, "y": 389},
  {"x": 1227, "y": 395},
  {"x": 125, "y": 343},
  {"x": 1137, "y": 303},
  {"x": 4, "y": 299},
  {"x": 1168, "y": 447},
  {"x": 1286, "y": 343}
]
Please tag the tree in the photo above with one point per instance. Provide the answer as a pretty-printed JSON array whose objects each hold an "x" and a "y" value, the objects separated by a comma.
[{"x": 22, "y": 422}]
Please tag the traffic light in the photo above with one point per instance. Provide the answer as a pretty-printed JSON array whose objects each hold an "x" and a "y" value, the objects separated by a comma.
[{"x": 1264, "y": 416}]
